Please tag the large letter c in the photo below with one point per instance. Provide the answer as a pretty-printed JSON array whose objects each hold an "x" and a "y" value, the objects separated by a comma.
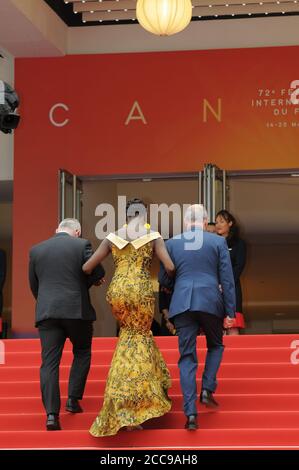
[{"x": 51, "y": 113}]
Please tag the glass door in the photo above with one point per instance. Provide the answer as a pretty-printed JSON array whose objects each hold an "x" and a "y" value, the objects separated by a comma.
[
  {"x": 70, "y": 196},
  {"x": 213, "y": 190}
]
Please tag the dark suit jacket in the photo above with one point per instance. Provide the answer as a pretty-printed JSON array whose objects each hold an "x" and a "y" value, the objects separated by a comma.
[
  {"x": 2, "y": 276},
  {"x": 199, "y": 273},
  {"x": 57, "y": 280}
]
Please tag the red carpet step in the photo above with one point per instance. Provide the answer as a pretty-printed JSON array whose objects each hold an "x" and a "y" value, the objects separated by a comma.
[{"x": 258, "y": 394}]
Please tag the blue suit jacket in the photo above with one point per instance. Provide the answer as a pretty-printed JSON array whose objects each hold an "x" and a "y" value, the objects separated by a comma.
[{"x": 198, "y": 276}]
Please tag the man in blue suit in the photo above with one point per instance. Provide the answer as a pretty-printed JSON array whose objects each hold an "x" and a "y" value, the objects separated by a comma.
[{"x": 203, "y": 298}]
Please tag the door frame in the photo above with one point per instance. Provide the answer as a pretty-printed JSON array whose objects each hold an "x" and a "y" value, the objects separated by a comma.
[{"x": 274, "y": 173}]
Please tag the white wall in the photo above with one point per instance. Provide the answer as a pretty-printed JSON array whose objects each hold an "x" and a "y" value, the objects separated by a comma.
[
  {"x": 199, "y": 35},
  {"x": 6, "y": 140},
  {"x": 29, "y": 28}
]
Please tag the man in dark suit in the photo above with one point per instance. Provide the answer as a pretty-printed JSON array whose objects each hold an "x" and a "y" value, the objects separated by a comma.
[
  {"x": 63, "y": 310},
  {"x": 2, "y": 281},
  {"x": 167, "y": 328},
  {"x": 202, "y": 263}
]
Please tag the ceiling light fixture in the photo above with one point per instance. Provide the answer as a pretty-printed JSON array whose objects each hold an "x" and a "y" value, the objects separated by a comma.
[{"x": 164, "y": 17}]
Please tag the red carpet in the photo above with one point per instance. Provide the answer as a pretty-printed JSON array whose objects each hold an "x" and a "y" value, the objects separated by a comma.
[{"x": 258, "y": 392}]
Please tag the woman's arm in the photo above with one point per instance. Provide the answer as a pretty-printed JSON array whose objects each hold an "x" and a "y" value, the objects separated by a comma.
[
  {"x": 101, "y": 253},
  {"x": 163, "y": 256}
]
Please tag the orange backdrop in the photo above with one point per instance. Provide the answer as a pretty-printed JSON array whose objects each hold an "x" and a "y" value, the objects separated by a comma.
[{"x": 227, "y": 107}]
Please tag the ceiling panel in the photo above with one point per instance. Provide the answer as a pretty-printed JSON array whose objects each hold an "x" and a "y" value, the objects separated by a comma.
[{"x": 107, "y": 12}]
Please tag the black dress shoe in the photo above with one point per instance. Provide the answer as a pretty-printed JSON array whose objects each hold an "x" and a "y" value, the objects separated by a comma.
[
  {"x": 53, "y": 423},
  {"x": 191, "y": 423},
  {"x": 73, "y": 406},
  {"x": 207, "y": 399}
]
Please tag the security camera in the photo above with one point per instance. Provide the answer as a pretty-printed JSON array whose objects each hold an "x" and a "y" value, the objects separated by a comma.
[{"x": 9, "y": 101}]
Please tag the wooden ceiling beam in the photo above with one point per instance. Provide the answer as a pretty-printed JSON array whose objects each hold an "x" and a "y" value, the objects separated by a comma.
[
  {"x": 130, "y": 4},
  {"x": 201, "y": 11},
  {"x": 104, "y": 6}
]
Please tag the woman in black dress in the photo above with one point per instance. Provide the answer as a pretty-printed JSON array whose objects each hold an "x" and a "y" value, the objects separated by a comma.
[{"x": 227, "y": 227}]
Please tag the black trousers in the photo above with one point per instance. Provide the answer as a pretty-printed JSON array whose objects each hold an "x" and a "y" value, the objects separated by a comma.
[{"x": 53, "y": 333}]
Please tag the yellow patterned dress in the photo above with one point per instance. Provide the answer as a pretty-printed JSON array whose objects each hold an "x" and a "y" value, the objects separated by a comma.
[{"x": 138, "y": 380}]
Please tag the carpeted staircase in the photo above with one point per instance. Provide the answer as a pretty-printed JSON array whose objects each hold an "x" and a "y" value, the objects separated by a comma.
[{"x": 258, "y": 394}]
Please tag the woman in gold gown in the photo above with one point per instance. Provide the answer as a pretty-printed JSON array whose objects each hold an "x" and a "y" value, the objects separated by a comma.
[{"x": 138, "y": 379}]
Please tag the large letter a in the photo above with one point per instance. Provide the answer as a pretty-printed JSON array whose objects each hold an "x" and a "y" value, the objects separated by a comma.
[{"x": 136, "y": 117}]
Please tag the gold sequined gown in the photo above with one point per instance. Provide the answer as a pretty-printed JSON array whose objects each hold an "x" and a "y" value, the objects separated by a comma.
[{"x": 138, "y": 380}]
